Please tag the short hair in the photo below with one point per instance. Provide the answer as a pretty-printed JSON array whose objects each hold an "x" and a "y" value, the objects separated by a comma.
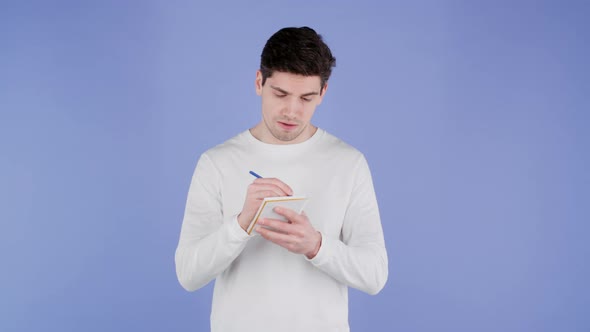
[{"x": 298, "y": 51}]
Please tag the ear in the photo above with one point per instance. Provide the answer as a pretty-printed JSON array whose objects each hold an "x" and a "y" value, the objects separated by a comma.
[
  {"x": 258, "y": 82},
  {"x": 323, "y": 92}
]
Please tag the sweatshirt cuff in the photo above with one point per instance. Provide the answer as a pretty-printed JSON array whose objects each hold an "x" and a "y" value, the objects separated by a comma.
[
  {"x": 325, "y": 253},
  {"x": 235, "y": 230}
]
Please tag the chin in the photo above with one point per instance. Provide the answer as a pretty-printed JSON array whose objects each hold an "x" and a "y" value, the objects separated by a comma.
[{"x": 286, "y": 137}]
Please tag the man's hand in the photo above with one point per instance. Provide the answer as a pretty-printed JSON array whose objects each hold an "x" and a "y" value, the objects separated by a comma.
[
  {"x": 257, "y": 191},
  {"x": 297, "y": 235}
]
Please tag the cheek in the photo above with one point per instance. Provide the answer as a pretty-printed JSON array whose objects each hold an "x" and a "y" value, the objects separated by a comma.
[
  {"x": 268, "y": 107},
  {"x": 308, "y": 111}
]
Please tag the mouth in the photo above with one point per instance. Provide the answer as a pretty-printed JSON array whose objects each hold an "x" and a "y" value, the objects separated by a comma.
[{"x": 287, "y": 125}]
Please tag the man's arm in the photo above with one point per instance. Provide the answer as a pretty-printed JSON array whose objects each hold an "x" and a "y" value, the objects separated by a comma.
[
  {"x": 208, "y": 243},
  {"x": 359, "y": 260}
]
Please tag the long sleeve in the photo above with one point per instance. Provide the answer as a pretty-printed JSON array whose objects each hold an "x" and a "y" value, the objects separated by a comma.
[
  {"x": 209, "y": 241},
  {"x": 359, "y": 258}
]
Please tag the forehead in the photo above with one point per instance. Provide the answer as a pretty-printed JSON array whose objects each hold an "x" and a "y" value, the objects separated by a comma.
[{"x": 294, "y": 83}]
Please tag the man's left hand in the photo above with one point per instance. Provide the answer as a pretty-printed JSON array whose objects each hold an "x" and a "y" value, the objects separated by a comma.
[{"x": 297, "y": 235}]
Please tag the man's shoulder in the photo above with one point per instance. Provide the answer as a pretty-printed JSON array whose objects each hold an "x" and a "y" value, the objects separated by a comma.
[
  {"x": 231, "y": 145},
  {"x": 339, "y": 146}
]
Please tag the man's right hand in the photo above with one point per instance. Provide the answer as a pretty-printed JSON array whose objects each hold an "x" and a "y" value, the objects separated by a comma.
[{"x": 257, "y": 191}]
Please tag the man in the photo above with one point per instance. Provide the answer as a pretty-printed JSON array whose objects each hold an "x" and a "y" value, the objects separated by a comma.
[{"x": 284, "y": 276}]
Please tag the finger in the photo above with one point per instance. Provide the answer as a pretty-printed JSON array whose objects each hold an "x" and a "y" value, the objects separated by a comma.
[
  {"x": 289, "y": 214},
  {"x": 276, "y": 182},
  {"x": 284, "y": 240},
  {"x": 268, "y": 187},
  {"x": 266, "y": 193},
  {"x": 279, "y": 226}
]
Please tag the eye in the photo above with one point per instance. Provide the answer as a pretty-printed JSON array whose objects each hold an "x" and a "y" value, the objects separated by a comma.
[
  {"x": 280, "y": 96},
  {"x": 306, "y": 98}
]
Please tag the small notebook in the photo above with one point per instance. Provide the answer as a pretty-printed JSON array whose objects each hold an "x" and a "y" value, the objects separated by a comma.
[{"x": 295, "y": 203}]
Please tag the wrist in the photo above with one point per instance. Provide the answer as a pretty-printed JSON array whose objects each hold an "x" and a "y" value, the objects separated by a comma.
[
  {"x": 241, "y": 222},
  {"x": 317, "y": 246}
]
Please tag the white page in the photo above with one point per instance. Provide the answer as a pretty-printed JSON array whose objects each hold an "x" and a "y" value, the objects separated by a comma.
[{"x": 295, "y": 203}]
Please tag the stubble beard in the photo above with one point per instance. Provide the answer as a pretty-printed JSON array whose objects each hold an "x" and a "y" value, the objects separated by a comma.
[{"x": 283, "y": 136}]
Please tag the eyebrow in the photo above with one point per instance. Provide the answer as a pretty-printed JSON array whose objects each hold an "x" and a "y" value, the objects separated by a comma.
[{"x": 288, "y": 93}]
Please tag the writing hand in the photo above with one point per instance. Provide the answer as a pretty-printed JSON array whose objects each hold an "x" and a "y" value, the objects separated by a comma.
[{"x": 257, "y": 191}]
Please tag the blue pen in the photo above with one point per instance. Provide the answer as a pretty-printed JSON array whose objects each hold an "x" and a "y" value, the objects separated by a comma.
[{"x": 256, "y": 175}]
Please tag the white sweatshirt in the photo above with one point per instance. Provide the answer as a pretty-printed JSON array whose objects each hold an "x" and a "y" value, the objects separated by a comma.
[{"x": 260, "y": 286}]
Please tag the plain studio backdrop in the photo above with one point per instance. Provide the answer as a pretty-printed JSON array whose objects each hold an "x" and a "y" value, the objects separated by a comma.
[{"x": 473, "y": 116}]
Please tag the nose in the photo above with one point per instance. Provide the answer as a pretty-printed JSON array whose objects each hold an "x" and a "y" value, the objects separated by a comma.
[{"x": 293, "y": 107}]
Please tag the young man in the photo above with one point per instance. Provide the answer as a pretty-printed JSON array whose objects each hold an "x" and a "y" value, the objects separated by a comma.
[{"x": 287, "y": 276}]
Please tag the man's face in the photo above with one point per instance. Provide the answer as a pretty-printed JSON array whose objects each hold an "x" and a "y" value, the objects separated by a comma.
[{"x": 288, "y": 103}]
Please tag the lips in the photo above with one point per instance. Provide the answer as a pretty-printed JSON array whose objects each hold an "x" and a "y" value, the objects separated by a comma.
[{"x": 287, "y": 125}]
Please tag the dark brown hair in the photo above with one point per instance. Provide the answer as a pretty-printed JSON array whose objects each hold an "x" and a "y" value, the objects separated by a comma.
[{"x": 298, "y": 51}]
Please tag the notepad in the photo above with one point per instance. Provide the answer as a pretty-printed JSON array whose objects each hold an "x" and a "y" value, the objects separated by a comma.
[{"x": 295, "y": 203}]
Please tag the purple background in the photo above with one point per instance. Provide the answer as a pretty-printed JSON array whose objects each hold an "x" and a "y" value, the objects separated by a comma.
[{"x": 472, "y": 114}]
